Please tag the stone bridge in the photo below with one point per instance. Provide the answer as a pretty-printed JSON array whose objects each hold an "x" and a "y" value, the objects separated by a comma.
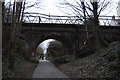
[{"x": 72, "y": 36}]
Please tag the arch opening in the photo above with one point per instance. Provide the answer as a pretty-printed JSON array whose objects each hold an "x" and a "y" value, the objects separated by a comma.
[{"x": 52, "y": 50}]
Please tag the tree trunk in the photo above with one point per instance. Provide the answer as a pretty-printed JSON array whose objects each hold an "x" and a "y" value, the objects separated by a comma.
[
  {"x": 100, "y": 42},
  {"x": 16, "y": 27}
]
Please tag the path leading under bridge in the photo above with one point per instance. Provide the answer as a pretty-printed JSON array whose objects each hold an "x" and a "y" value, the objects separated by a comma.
[{"x": 46, "y": 69}]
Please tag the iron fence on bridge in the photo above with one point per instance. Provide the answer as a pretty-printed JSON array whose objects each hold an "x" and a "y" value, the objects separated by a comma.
[{"x": 44, "y": 18}]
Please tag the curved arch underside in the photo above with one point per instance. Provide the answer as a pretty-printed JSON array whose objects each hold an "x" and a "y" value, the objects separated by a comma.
[{"x": 65, "y": 41}]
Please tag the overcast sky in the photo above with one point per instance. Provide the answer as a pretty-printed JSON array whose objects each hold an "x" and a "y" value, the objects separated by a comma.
[
  {"x": 47, "y": 6},
  {"x": 52, "y": 7}
]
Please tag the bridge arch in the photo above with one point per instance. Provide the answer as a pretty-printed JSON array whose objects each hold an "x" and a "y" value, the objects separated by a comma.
[{"x": 64, "y": 40}]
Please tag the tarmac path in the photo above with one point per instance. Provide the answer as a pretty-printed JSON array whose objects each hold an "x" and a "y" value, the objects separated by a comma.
[{"x": 46, "y": 69}]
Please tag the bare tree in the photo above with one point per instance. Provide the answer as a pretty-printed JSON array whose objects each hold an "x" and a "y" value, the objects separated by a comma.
[
  {"x": 12, "y": 18},
  {"x": 90, "y": 10},
  {"x": 17, "y": 15},
  {"x": 12, "y": 31},
  {"x": 34, "y": 4}
]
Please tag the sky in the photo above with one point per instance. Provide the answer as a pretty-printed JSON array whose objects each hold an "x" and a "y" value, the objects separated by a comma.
[
  {"x": 118, "y": 9},
  {"x": 53, "y": 7},
  {"x": 47, "y": 7}
]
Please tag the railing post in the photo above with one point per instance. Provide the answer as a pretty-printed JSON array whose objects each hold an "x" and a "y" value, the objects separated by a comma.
[{"x": 39, "y": 19}]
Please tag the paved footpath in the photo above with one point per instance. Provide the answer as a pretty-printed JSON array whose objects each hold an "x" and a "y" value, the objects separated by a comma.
[{"x": 46, "y": 69}]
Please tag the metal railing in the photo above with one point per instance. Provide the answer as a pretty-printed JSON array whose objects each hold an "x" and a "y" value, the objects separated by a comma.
[
  {"x": 43, "y": 18},
  {"x": 108, "y": 21}
]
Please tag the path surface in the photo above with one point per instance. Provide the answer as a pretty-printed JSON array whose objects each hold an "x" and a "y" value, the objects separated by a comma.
[{"x": 46, "y": 69}]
